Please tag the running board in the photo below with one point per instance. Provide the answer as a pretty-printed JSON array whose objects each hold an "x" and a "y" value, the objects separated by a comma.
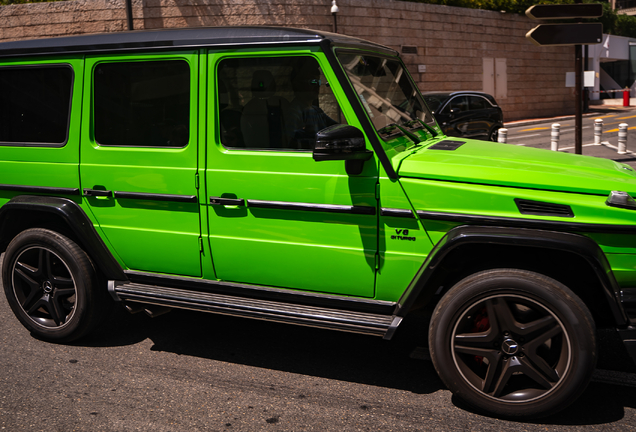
[{"x": 270, "y": 310}]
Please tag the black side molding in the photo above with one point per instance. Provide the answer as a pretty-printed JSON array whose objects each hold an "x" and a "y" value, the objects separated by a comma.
[
  {"x": 156, "y": 197},
  {"x": 496, "y": 221},
  {"x": 40, "y": 189},
  {"x": 329, "y": 208},
  {"x": 76, "y": 220},
  {"x": 399, "y": 213}
]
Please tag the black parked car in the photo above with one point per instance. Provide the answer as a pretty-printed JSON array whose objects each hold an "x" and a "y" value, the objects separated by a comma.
[{"x": 468, "y": 114}]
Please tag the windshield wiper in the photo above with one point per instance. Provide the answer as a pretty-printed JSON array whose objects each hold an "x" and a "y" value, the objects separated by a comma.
[
  {"x": 390, "y": 127},
  {"x": 427, "y": 127}
]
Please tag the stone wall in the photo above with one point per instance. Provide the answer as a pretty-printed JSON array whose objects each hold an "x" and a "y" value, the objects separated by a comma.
[{"x": 450, "y": 46}]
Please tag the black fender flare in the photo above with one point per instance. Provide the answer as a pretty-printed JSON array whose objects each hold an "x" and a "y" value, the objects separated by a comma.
[
  {"x": 582, "y": 246},
  {"x": 78, "y": 222}
]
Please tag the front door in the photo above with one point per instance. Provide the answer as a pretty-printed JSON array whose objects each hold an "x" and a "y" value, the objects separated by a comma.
[
  {"x": 277, "y": 217},
  {"x": 139, "y": 159}
]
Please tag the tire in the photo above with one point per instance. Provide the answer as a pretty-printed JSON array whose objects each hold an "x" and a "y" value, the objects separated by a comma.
[
  {"x": 50, "y": 285},
  {"x": 492, "y": 136},
  {"x": 513, "y": 343}
]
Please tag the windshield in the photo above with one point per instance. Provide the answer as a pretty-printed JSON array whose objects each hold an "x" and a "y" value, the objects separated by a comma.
[{"x": 388, "y": 95}]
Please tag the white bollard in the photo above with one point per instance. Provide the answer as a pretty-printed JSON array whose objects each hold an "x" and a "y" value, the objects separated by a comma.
[
  {"x": 502, "y": 135},
  {"x": 554, "y": 137},
  {"x": 622, "y": 138},
  {"x": 598, "y": 131}
]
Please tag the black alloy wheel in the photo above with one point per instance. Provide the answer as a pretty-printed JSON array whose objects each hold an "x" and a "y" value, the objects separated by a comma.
[
  {"x": 506, "y": 342},
  {"x": 50, "y": 285}
]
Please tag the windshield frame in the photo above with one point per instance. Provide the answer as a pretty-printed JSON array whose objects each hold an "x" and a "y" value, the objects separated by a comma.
[{"x": 405, "y": 128}]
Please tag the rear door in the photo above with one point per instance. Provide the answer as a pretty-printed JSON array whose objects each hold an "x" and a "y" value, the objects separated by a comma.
[
  {"x": 276, "y": 216},
  {"x": 139, "y": 158}
]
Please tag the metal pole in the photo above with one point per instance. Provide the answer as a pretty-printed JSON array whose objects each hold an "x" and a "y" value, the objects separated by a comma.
[
  {"x": 554, "y": 136},
  {"x": 578, "y": 85},
  {"x": 502, "y": 135},
  {"x": 622, "y": 138},
  {"x": 129, "y": 14},
  {"x": 578, "y": 115},
  {"x": 586, "y": 94},
  {"x": 334, "y": 11},
  {"x": 598, "y": 131}
]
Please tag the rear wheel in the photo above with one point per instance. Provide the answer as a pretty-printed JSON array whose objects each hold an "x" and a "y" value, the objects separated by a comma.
[
  {"x": 50, "y": 285},
  {"x": 513, "y": 343}
]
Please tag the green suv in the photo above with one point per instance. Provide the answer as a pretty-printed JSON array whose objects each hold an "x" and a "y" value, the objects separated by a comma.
[{"x": 298, "y": 176}]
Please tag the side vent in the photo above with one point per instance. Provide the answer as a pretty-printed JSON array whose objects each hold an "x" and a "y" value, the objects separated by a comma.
[{"x": 539, "y": 208}]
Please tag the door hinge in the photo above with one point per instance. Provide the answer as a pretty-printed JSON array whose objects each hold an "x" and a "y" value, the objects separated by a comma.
[
  {"x": 196, "y": 180},
  {"x": 201, "y": 244},
  {"x": 377, "y": 261},
  {"x": 377, "y": 191}
]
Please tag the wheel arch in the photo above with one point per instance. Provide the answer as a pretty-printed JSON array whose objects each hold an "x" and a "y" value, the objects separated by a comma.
[
  {"x": 467, "y": 249},
  {"x": 63, "y": 215}
]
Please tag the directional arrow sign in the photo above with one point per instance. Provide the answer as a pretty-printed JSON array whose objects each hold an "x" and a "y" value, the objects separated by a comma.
[
  {"x": 565, "y": 11},
  {"x": 567, "y": 34}
]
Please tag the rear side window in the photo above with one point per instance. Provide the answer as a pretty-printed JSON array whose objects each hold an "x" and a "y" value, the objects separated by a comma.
[
  {"x": 477, "y": 103},
  {"x": 142, "y": 104},
  {"x": 35, "y": 105}
]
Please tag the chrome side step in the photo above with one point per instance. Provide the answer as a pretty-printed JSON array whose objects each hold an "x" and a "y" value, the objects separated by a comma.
[{"x": 271, "y": 310}]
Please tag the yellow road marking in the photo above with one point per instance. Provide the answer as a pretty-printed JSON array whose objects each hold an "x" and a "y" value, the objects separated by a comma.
[
  {"x": 623, "y": 118},
  {"x": 533, "y": 129},
  {"x": 616, "y": 130}
]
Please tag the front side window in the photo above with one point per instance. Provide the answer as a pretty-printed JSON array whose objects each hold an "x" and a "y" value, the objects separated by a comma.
[
  {"x": 145, "y": 104},
  {"x": 387, "y": 93},
  {"x": 459, "y": 104},
  {"x": 274, "y": 103},
  {"x": 35, "y": 105}
]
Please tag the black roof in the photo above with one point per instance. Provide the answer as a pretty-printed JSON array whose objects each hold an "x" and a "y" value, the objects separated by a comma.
[
  {"x": 183, "y": 38},
  {"x": 454, "y": 93}
]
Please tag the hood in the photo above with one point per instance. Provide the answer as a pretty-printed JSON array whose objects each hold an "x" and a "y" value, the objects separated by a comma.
[{"x": 515, "y": 166}]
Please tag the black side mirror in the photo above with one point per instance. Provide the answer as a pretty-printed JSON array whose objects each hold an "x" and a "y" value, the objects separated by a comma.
[{"x": 340, "y": 142}]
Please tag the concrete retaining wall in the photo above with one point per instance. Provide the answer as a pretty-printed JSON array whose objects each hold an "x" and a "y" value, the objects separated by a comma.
[{"x": 454, "y": 46}]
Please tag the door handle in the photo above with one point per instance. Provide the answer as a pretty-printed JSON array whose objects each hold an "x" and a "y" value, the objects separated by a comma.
[
  {"x": 227, "y": 201},
  {"x": 97, "y": 193}
]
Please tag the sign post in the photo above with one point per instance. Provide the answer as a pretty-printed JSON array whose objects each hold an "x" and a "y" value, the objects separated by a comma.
[{"x": 577, "y": 34}]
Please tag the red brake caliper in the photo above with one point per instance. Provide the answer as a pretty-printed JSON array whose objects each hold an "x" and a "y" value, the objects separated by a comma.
[{"x": 481, "y": 324}]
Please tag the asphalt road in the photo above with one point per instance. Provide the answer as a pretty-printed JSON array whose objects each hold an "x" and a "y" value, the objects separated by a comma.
[
  {"x": 537, "y": 134},
  {"x": 188, "y": 371}
]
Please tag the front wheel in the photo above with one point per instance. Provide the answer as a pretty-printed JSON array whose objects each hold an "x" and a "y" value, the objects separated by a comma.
[
  {"x": 513, "y": 343},
  {"x": 494, "y": 134},
  {"x": 50, "y": 285}
]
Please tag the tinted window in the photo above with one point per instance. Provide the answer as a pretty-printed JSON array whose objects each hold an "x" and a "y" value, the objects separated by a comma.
[
  {"x": 459, "y": 103},
  {"x": 477, "y": 103},
  {"x": 274, "y": 103},
  {"x": 142, "y": 103},
  {"x": 35, "y": 104}
]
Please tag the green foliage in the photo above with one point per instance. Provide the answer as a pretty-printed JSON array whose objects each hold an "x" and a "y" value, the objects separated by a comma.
[
  {"x": 8, "y": 2},
  {"x": 512, "y": 6},
  {"x": 613, "y": 23}
]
